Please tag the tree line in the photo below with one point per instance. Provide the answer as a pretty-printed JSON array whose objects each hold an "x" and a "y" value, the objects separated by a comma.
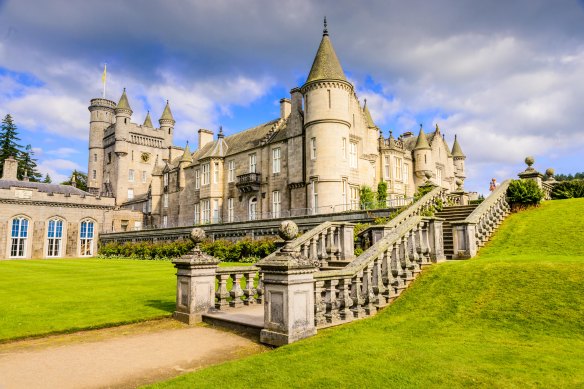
[{"x": 27, "y": 163}]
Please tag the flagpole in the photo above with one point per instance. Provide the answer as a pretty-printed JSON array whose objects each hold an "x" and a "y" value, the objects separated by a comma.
[{"x": 104, "y": 77}]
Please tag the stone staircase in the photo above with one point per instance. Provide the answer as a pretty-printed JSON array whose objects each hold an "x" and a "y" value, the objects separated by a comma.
[{"x": 450, "y": 214}]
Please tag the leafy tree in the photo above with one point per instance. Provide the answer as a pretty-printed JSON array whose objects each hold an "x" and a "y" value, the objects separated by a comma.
[
  {"x": 569, "y": 177},
  {"x": 568, "y": 190},
  {"x": 80, "y": 180},
  {"x": 367, "y": 197},
  {"x": 47, "y": 179},
  {"x": 27, "y": 165},
  {"x": 8, "y": 140},
  {"x": 382, "y": 193}
]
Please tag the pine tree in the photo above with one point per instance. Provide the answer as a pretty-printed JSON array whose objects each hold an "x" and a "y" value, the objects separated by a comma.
[
  {"x": 27, "y": 165},
  {"x": 47, "y": 179},
  {"x": 8, "y": 139}
]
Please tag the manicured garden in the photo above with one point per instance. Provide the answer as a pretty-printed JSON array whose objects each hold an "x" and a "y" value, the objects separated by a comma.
[{"x": 513, "y": 317}]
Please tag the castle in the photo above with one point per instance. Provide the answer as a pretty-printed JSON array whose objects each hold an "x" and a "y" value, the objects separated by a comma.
[{"x": 312, "y": 159}]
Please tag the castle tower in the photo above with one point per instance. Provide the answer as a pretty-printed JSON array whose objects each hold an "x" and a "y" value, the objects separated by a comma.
[
  {"x": 423, "y": 155},
  {"x": 101, "y": 117},
  {"x": 123, "y": 116},
  {"x": 327, "y": 96},
  {"x": 459, "y": 158},
  {"x": 167, "y": 123}
]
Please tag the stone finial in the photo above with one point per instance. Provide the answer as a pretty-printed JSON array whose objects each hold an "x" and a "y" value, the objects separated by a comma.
[
  {"x": 458, "y": 184},
  {"x": 550, "y": 172},
  {"x": 529, "y": 161},
  {"x": 325, "y": 30},
  {"x": 197, "y": 235},
  {"x": 288, "y": 230},
  {"x": 196, "y": 256},
  {"x": 428, "y": 175}
]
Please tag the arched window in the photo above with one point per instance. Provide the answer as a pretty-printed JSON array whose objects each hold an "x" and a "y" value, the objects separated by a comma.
[
  {"x": 19, "y": 234},
  {"x": 253, "y": 203},
  {"x": 54, "y": 237},
  {"x": 86, "y": 238}
]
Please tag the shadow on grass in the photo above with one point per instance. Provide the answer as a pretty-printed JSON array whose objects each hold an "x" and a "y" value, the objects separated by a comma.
[{"x": 163, "y": 305}]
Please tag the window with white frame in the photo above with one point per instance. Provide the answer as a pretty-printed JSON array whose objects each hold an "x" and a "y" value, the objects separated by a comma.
[
  {"x": 206, "y": 211},
  {"x": 344, "y": 148},
  {"x": 386, "y": 167},
  {"x": 130, "y": 194},
  {"x": 314, "y": 196},
  {"x": 165, "y": 221},
  {"x": 252, "y": 163},
  {"x": 439, "y": 176},
  {"x": 165, "y": 179},
  {"x": 144, "y": 175},
  {"x": 19, "y": 235},
  {"x": 86, "y": 238},
  {"x": 353, "y": 155},
  {"x": 231, "y": 171},
  {"x": 397, "y": 168},
  {"x": 344, "y": 193},
  {"x": 230, "y": 214},
  {"x": 197, "y": 214},
  {"x": 252, "y": 211},
  {"x": 131, "y": 175},
  {"x": 215, "y": 211},
  {"x": 54, "y": 237},
  {"x": 312, "y": 148},
  {"x": 206, "y": 174},
  {"x": 197, "y": 179},
  {"x": 354, "y": 197},
  {"x": 276, "y": 160},
  {"x": 406, "y": 173},
  {"x": 276, "y": 204},
  {"x": 215, "y": 172},
  {"x": 165, "y": 200}
]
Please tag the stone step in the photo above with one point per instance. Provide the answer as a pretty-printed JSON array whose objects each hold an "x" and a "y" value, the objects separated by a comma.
[{"x": 247, "y": 319}]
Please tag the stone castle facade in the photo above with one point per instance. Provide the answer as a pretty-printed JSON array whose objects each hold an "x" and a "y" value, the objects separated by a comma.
[{"x": 312, "y": 159}]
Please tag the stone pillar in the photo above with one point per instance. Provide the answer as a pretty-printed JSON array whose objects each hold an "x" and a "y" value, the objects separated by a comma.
[
  {"x": 195, "y": 282},
  {"x": 435, "y": 237},
  {"x": 530, "y": 173},
  {"x": 289, "y": 293},
  {"x": 347, "y": 242},
  {"x": 463, "y": 240}
]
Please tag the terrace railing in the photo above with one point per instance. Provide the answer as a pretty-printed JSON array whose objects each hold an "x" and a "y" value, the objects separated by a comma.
[{"x": 236, "y": 287}]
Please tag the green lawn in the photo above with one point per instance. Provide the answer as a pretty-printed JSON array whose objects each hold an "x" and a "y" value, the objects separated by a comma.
[
  {"x": 46, "y": 296},
  {"x": 513, "y": 317}
]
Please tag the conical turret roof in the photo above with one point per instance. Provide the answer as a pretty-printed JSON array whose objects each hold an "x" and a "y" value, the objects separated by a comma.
[
  {"x": 187, "y": 156},
  {"x": 123, "y": 103},
  {"x": 456, "y": 150},
  {"x": 167, "y": 114},
  {"x": 422, "y": 141},
  {"x": 368, "y": 118},
  {"x": 148, "y": 121},
  {"x": 326, "y": 65}
]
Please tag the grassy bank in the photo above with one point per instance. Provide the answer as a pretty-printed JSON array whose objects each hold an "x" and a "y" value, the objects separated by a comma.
[{"x": 513, "y": 317}]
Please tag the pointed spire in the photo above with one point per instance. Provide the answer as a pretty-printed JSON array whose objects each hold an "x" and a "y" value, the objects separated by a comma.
[
  {"x": 437, "y": 129},
  {"x": 167, "y": 114},
  {"x": 326, "y": 65},
  {"x": 368, "y": 118},
  {"x": 325, "y": 31},
  {"x": 187, "y": 157},
  {"x": 148, "y": 121},
  {"x": 456, "y": 150},
  {"x": 123, "y": 103},
  {"x": 220, "y": 134},
  {"x": 422, "y": 141}
]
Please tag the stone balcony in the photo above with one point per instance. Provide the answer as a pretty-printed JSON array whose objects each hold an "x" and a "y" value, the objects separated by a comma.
[{"x": 248, "y": 182}]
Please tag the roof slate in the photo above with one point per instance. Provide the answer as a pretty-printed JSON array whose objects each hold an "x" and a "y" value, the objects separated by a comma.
[
  {"x": 42, "y": 187},
  {"x": 326, "y": 65}
]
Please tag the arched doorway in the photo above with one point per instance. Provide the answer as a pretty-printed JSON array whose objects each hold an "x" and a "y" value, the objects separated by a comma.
[{"x": 253, "y": 206}]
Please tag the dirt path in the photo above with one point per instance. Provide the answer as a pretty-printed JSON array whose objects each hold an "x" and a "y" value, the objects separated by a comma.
[{"x": 126, "y": 356}]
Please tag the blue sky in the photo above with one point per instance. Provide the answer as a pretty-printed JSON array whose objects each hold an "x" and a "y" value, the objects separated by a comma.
[{"x": 506, "y": 76}]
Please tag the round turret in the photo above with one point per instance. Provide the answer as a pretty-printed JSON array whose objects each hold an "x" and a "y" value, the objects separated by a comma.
[
  {"x": 423, "y": 161},
  {"x": 102, "y": 116},
  {"x": 167, "y": 122}
]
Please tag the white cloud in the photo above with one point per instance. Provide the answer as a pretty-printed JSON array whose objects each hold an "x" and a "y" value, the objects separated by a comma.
[{"x": 59, "y": 169}]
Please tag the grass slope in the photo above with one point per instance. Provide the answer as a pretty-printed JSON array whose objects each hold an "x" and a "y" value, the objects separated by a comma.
[{"x": 513, "y": 317}]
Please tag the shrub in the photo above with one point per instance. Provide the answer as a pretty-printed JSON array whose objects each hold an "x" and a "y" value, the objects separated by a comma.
[
  {"x": 367, "y": 197},
  {"x": 382, "y": 194},
  {"x": 423, "y": 190},
  {"x": 568, "y": 190},
  {"x": 523, "y": 194}
]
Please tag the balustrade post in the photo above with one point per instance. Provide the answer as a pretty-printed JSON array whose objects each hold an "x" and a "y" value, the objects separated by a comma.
[
  {"x": 249, "y": 291},
  {"x": 435, "y": 236},
  {"x": 289, "y": 292},
  {"x": 464, "y": 240},
  {"x": 222, "y": 293},
  {"x": 345, "y": 299},
  {"x": 195, "y": 286},
  {"x": 347, "y": 242}
]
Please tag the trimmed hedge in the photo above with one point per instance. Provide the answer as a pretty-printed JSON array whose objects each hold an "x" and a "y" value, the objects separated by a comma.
[
  {"x": 225, "y": 250},
  {"x": 523, "y": 194},
  {"x": 568, "y": 190}
]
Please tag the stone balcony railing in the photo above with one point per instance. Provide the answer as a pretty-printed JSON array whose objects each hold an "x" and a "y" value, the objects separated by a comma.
[
  {"x": 237, "y": 295},
  {"x": 248, "y": 182}
]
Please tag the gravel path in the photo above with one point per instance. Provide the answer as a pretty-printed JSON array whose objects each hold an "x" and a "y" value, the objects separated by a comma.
[{"x": 128, "y": 356}]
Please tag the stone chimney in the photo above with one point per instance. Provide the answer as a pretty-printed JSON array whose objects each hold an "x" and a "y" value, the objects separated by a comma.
[
  {"x": 10, "y": 169},
  {"x": 285, "y": 108},
  {"x": 205, "y": 136},
  {"x": 296, "y": 104}
]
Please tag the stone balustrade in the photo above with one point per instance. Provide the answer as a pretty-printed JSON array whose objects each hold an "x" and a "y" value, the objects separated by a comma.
[
  {"x": 380, "y": 274},
  {"x": 233, "y": 294},
  {"x": 547, "y": 188},
  {"x": 474, "y": 231}
]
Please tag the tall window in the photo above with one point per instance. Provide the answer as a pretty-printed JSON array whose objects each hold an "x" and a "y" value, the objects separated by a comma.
[
  {"x": 215, "y": 172},
  {"x": 197, "y": 214},
  {"x": 314, "y": 196},
  {"x": 215, "y": 211},
  {"x": 165, "y": 200},
  {"x": 354, "y": 197},
  {"x": 165, "y": 221},
  {"x": 252, "y": 163},
  {"x": 165, "y": 179},
  {"x": 94, "y": 174},
  {"x": 344, "y": 193},
  {"x": 397, "y": 168},
  {"x": 54, "y": 238},
  {"x": 276, "y": 204},
  {"x": 94, "y": 157},
  {"x": 206, "y": 211},
  {"x": 231, "y": 171},
  {"x": 439, "y": 176},
  {"x": 130, "y": 194},
  {"x": 406, "y": 175},
  {"x": 386, "y": 170},
  {"x": 353, "y": 155},
  {"x": 131, "y": 175},
  {"x": 252, "y": 212},
  {"x": 276, "y": 161},
  {"x": 143, "y": 176},
  {"x": 312, "y": 148},
  {"x": 344, "y": 148},
  {"x": 86, "y": 238},
  {"x": 197, "y": 179},
  {"x": 230, "y": 210},
  {"x": 205, "y": 174},
  {"x": 19, "y": 236}
]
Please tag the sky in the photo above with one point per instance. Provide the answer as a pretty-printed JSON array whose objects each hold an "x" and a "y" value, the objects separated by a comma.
[{"x": 506, "y": 76}]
